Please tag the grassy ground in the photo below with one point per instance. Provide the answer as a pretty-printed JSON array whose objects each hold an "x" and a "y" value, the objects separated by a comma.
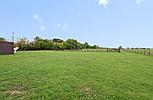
[{"x": 45, "y": 75}]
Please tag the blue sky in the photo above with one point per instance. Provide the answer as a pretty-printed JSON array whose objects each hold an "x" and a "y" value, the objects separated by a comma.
[{"x": 108, "y": 23}]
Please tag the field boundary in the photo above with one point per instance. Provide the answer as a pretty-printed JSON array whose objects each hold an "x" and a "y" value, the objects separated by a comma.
[{"x": 147, "y": 52}]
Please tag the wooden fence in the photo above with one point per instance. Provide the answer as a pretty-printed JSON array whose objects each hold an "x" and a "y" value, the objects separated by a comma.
[
  {"x": 6, "y": 47},
  {"x": 147, "y": 52},
  {"x": 102, "y": 50}
]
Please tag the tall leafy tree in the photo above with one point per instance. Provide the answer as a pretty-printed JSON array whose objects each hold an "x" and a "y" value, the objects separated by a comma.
[
  {"x": 58, "y": 40},
  {"x": 86, "y": 45},
  {"x": 22, "y": 43},
  {"x": 72, "y": 44}
]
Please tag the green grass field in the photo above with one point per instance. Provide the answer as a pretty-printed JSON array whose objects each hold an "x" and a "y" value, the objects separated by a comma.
[{"x": 50, "y": 75}]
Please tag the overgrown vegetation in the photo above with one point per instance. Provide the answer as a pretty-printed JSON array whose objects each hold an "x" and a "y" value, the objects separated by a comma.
[{"x": 55, "y": 44}]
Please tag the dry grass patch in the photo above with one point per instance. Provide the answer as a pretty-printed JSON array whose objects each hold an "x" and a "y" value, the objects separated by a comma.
[
  {"x": 17, "y": 90},
  {"x": 86, "y": 90}
]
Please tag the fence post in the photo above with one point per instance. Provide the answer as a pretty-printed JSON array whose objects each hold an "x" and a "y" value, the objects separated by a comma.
[
  {"x": 140, "y": 51},
  {"x": 149, "y": 53},
  {"x": 107, "y": 49},
  {"x": 144, "y": 52}
]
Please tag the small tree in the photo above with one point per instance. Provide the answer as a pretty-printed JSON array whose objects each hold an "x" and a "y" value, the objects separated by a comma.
[
  {"x": 86, "y": 45},
  {"x": 119, "y": 49}
]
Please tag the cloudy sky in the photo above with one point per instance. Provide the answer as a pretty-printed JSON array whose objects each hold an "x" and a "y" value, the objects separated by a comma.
[{"x": 108, "y": 23}]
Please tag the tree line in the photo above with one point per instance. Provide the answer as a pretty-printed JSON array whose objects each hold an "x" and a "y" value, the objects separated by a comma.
[{"x": 51, "y": 44}]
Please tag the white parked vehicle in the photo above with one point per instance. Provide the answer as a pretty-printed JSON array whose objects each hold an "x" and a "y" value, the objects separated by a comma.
[{"x": 15, "y": 49}]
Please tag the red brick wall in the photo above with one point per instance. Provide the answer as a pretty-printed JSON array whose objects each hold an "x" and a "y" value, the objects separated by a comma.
[{"x": 6, "y": 48}]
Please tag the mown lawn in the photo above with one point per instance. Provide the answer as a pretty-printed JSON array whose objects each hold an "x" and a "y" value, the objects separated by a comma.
[{"x": 50, "y": 75}]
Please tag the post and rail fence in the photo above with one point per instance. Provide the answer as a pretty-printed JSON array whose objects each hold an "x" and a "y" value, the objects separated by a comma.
[
  {"x": 147, "y": 52},
  {"x": 102, "y": 50}
]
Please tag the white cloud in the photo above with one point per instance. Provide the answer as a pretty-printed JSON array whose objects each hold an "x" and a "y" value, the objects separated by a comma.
[
  {"x": 40, "y": 21},
  {"x": 103, "y": 3},
  {"x": 36, "y": 17},
  {"x": 63, "y": 26},
  {"x": 59, "y": 25},
  {"x": 42, "y": 28},
  {"x": 139, "y": 1}
]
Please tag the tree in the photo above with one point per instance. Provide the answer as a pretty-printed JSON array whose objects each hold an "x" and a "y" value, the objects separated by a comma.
[
  {"x": 86, "y": 45},
  {"x": 72, "y": 44},
  {"x": 2, "y": 39},
  {"x": 95, "y": 47},
  {"x": 47, "y": 44},
  {"x": 58, "y": 40},
  {"x": 120, "y": 48},
  {"x": 42, "y": 44},
  {"x": 22, "y": 44},
  {"x": 37, "y": 38}
]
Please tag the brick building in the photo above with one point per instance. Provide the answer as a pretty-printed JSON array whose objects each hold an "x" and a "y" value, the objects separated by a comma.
[{"x": 6, "y": 47}]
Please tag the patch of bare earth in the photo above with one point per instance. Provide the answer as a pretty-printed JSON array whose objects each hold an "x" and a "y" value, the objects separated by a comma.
[
  {"x": 17, "y": 90},
  {"x": 86, "y": 90}
]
